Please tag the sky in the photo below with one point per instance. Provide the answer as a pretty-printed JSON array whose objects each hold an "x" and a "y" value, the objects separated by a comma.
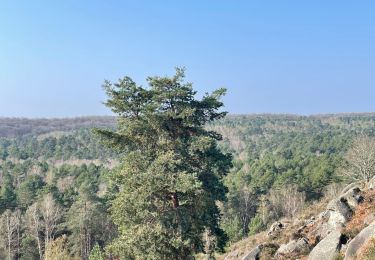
[{"x": 299, "y": 57}]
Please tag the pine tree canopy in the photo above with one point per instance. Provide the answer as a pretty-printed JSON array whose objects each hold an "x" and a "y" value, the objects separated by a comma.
[{"x": 168, "y": 184}]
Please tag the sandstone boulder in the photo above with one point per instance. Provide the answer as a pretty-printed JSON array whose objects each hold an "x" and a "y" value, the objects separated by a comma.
[
  {"x": 371, "y": 183},
  {"x": 361, "y": 239},
  {"x": 319, "y": 232},
  {"x": 275, "y": 229},
  {"x": 328, "y": 247},
  {"x": 352, "y": 197},
  {"x": 253, "y": 254},
  {"x": 351, "y": 186},
  {"x": 293, "y": 248},
  {"x": 339, "y": 212}
]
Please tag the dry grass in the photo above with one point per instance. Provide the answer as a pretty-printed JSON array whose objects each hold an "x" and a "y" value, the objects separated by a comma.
[
  {"x": 367, "y": 252},
  {"x": 286, "y": 234},
  {"x": 362, "y": 215},
  {"x": 245, "y": 245},
  {"x": 290, "y": 232}
]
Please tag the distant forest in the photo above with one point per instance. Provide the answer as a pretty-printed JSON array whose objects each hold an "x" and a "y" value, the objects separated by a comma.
[
  {"x": 60, "y": 165},
  {"x": 16, "y": 127}
]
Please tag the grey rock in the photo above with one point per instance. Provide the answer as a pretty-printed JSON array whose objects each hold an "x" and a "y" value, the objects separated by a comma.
[
  {"x": 351, "y": 186},
  {"x": 321, "y": 230},
  {"x": 361, "y": 239},
  {"x": 336, "y": 220},
  {"x": 275, "y": 229},
  {"x": 352, "y": 197},
  {"x": 371, "y": 183},
  {"x": 324, "y": 215},
  {"x": 310, "y": 221},
  {"x": 294, "y": 247},
  {"x": 232, "y": 255},
  {"x": 327, "y": 248},
  {"x": 340, "y": 212},
  {"x": 253, "y": 254}
]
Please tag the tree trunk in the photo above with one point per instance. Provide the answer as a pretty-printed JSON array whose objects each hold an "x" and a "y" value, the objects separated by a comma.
[{"x": 175, "y": 201}]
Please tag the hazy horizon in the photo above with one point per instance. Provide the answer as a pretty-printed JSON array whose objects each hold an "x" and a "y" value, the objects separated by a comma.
[{"x": 229, "y": 114}]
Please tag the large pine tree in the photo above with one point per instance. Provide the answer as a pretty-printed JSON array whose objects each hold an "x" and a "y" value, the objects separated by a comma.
[{"x": 170, "y": 179}]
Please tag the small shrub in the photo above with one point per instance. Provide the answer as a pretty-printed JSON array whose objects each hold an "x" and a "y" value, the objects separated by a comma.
[
  {"x": 232, "y": 228},
  {"x": 96, "y": 253},
  {"x": 256, "y": 225},
  {"x": 338, "y": 256},
  {"x": 268, "y": 251}
]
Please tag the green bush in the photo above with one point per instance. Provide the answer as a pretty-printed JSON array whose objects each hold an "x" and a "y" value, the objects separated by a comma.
[
  {"x": 96, "y": 253},
  {"x": 232, "y": 228},
  {"x": 256, "y": 225},
  {"x": 338, "y": 256}
]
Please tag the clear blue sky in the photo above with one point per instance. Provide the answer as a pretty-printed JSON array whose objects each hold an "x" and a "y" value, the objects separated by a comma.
[{"x": 275, "y": 56}]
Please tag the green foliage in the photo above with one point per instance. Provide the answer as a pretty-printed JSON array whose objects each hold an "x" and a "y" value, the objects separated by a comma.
[
  {"x": 79, "y": 144},
  {"x": 7, "y": 194},
  {"x": 28, "y": 191},
  {"x": 31, "y": 167},
  {"x": 28, "y": 245},
  {"x": 96, "y": 253},
  {"x": 88, "y": 221},
  {"x": 64, "y": 158},
  {"x": 339, "y": 256},
  {"x": 256, "y": 225},
  {"x": 233, "y": 228},
  {"x": 171, "y": 177},
  {"x": 272, "y": 151}
]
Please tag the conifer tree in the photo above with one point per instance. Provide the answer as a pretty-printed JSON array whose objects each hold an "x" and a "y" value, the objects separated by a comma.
[
  {"x": 170, "y": 178},
  {"x": 7, "y": 194}
]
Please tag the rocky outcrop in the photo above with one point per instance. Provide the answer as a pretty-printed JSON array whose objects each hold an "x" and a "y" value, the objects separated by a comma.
[
  {"x": 253, "y": 254},
  {"x": 275, "y": 229},
  {"x": 371, "y": 183},
  {"x": 341, "y": 209},
  {"x": 262, "y": 251},
  {"x": 352, "y": 185},
  {"x": 339, "y": 212},
  {"x": 321, "y": 236},
  {"x": 361, "y": 239},
  {"x": 352, "y": 197},
  {"x": 328, "y": 247},
  {"x": 293, "y": 248}
]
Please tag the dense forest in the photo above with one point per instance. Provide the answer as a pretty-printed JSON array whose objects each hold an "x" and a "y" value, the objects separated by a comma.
[{"x": 55, "y": 193}]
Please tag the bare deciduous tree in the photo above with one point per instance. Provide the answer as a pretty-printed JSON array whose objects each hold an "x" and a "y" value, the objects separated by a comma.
[
  {"x": 247, "y": 209},
  {"x": 287, "y": 201},
  {"x": 10, "y": 224},
  {"x": 51, "y": 213},
  {"x": 360, "y": 159},
  {"x": 34, "y": 226},
  {"x": 42, "y": 219},
  {"x": 333, "y": 190}
]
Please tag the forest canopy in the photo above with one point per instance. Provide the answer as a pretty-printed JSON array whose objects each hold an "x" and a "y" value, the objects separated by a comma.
[{"x": 269, "y": 152}]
